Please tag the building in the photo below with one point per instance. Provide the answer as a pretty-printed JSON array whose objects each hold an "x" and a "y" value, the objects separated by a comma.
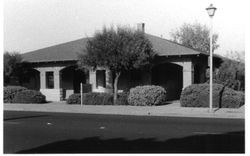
[{"x": 55, "y": 73}]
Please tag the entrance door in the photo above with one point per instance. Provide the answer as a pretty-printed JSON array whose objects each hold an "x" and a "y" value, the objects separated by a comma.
[{"x": 79, "y": 77}]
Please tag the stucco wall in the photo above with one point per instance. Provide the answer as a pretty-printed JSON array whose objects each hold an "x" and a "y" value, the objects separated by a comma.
[{"x": 51, "y": 94}]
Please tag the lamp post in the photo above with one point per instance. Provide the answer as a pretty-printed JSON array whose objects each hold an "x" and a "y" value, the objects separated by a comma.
[{"x": 211, "y": 10}]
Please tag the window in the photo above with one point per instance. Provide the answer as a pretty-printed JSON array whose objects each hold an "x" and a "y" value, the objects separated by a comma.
[
  {"x": 49, "y": 80},
  {"x": 100, "y": 78}
]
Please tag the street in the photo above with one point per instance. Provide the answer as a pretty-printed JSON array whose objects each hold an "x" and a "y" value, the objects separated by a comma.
[{"x": 43, "y": 132}]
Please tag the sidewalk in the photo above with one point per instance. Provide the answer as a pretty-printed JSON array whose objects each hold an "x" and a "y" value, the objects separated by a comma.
[{"x": 172, "y": 109}]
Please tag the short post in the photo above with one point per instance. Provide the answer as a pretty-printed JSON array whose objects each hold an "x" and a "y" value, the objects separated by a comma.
[{"x": 81, "y": 92}]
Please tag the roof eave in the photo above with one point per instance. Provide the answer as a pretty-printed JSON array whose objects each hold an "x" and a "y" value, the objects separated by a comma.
[{"x": 55, "y": 61}]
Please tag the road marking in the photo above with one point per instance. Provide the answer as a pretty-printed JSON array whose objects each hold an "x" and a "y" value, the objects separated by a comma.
[
  {"x": 10, "y": 122},
  {"x": 102, "y": 127}
]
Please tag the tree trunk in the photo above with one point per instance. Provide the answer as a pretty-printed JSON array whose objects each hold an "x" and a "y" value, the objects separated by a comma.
[{"x": 117, "y": 75}]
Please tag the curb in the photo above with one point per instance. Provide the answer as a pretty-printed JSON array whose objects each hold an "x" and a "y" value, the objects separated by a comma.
[{"x": 154, "y": 111}]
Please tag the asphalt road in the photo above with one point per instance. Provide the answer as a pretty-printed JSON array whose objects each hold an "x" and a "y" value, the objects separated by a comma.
[{"x": 40, "y": 132}]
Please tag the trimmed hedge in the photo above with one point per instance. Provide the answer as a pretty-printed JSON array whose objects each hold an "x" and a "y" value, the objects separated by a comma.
[
  {"x": 91, "y": 99},
  {"x": 29, "y": 96},
  {"x": 197, "y": 95},
  {"x": 11, "y": 91},
  {"x": 146, "y": 95},
  {"x": 74, "y": 99},
  {"x": 97, "y": 99}
]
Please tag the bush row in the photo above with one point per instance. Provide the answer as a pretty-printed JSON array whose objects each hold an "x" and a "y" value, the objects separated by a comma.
[
  {"x": 97, "y": 99},
  {"x": 29, "y": 96},
  {"x": 197, "y": 95},
  {"x": 138, "y": 96},
  {"x": 11, "y": 91},
  {"x": 18, "y": 94}
]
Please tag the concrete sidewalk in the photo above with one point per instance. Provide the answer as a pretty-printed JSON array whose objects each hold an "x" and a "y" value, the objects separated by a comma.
[{"x": 173, "y": 109}]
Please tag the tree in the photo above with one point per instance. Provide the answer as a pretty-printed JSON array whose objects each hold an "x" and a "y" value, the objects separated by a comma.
[
  {"x": 12, "y": 65},
  {"x": 118, "y": 50},
  {"x": 231, "y": 73},
  {"x": 238, "y": 56},
  {"x": 194, "y": 36}
]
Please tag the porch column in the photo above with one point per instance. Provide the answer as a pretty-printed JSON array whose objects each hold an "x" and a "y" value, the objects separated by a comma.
[
  {"x": 58, "y": 83},
  {"x": 92, "y": 79},
  {"x": 187, "y": 74},
  {"x": 57, "y": 78},
  {"x": 109, "y": 80},
  {"x": 42, "y": 79}
]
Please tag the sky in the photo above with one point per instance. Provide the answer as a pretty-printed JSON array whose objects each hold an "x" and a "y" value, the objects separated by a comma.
[{"x": 34, "y": 24}]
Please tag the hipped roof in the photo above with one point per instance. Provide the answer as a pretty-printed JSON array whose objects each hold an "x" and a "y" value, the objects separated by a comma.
[{"x": 69, "y": 51}]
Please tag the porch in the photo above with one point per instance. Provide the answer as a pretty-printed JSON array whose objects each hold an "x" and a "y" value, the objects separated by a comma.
[{"x": 58, "y": 81}]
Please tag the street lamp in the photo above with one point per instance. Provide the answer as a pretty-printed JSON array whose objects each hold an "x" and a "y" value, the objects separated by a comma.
[{"x": 211, "y": 10}]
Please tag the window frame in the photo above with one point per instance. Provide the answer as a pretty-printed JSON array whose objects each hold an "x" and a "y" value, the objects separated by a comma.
[
  {"x": 50, "y": 80},
  {"x": 103, "y": 73}
]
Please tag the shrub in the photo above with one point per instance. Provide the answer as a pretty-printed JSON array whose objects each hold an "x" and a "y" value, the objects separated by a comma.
[
  {"x": 29, "y": 96},
  {"x": 91, "y": 99},
  {"x": 122, "y": 99},
  {"x": 197, "y": 95},
  {"x": 74, "y": 99},
  {"x": 97, "y": 99},
  {"x": 232, "y": 98},
  {"x": 10, "y": 92},
  {"x": 146, "y": 95}
]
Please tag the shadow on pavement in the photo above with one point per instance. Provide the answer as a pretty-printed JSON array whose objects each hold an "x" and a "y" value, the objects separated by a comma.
[
  {"x": 233, "y": 142},
  {"x": 25, "y": 117}
]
